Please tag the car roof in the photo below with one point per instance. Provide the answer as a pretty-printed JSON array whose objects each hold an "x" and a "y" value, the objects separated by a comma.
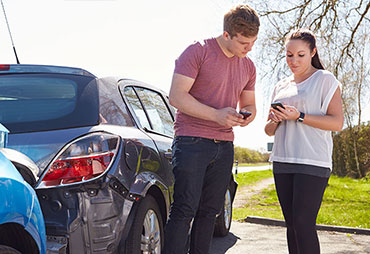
[
  {"x": 138, "y": 83},
  {"x": 31, "y": 68}
]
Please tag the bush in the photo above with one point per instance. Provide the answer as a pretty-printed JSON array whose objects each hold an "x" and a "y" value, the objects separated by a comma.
[
  {"x": 344, "y": 152},
  {"x": 245, "y": 155}
]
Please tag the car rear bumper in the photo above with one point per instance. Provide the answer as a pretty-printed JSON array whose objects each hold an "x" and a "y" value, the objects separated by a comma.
[{"x": 90, "y": 219}]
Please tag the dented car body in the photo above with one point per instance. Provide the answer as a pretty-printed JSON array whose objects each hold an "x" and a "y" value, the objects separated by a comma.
[
  {"x": 97, "y": 164},
  {"x": 103, "y": 147}
]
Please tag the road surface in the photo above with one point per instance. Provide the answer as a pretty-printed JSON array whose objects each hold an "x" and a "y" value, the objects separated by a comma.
[{"x": 250, "y": 238}]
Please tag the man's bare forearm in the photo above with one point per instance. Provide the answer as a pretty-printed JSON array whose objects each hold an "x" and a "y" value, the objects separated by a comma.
[{"x": 187, "y": 104}]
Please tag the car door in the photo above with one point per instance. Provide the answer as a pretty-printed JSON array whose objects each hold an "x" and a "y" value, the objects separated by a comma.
[{"x": 153, "y": 115}]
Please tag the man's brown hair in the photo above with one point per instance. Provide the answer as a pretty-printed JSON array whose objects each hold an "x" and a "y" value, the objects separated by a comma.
[{"x": 242, "y": 19}]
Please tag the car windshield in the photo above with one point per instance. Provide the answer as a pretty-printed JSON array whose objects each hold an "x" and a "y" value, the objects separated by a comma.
[{"x": 35, "y": 102}]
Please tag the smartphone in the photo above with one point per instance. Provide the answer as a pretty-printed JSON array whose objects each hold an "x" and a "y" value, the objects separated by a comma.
[
  {"x": 245, "y": 114},
  {"x": 276, "y": 104}
]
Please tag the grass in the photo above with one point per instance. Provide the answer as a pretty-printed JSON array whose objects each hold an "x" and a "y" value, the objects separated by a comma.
[
  {"x": 253, "y": 164},
  {"x": 251, "y": 178},
  {"x": 345, "y": 202}
]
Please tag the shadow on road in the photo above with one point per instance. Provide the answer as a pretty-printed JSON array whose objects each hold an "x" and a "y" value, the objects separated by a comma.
[
  {"x": 263, "y": 239},
  {"x": 221, "y": 244}
]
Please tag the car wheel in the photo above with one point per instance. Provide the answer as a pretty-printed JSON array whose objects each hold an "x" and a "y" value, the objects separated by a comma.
[
  {"x": 146, "y": 234},
  {"x": 223, "y": 221},
  {"x": 8, "y": 250}
]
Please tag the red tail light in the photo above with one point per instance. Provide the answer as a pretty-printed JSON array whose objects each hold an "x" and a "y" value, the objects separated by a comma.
[
  {"x": 4, "y": 67},
  {"x": 83, "y": 160}
]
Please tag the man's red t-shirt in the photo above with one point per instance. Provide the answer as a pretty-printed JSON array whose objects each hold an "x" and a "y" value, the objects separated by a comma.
[{"x": 219, "y": 82}]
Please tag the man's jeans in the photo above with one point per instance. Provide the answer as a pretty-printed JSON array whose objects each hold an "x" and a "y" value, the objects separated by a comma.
[{"x": 202, "y": 169}]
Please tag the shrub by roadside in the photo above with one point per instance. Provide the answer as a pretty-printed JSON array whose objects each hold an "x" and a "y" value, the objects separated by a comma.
[{"x": 351, "y": 154}]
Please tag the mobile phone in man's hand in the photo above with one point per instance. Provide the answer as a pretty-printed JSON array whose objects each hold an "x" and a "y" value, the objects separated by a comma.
[
  {"x": 276, "y": 104},
  {"x": 245, "y": 114}
]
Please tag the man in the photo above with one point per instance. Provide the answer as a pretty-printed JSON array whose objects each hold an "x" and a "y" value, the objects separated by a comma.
[{"x": 210, "y": 79}]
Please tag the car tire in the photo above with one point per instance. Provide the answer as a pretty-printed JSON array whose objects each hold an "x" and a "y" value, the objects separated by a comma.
[
  {"x": 8, "y": 250},
  {"x": 223, "y": 220},
  {"x": 146, "y": 234}
]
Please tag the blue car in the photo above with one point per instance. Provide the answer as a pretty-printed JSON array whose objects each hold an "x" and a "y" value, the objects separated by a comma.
[{"x": 22, "y": 227}]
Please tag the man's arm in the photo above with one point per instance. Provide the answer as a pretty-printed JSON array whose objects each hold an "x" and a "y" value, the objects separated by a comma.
[
  {"x": 247, "y": 102},
  {"x": 181, "y": 99}
]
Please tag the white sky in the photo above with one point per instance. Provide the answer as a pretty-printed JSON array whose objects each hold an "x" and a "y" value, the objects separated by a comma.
[{"x": 130, "y": 38}]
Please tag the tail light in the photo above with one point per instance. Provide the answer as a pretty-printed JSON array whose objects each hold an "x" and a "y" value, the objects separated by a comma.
[
  {"x": 4, "y": 67},
  {"x": 84, "y": 159}
]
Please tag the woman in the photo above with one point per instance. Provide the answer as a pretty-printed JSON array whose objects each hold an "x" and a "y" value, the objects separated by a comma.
[{"x": 302, "y": 151}]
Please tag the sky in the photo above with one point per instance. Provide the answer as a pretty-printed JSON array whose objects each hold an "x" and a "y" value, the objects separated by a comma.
[{"x": 138, "y": 39}]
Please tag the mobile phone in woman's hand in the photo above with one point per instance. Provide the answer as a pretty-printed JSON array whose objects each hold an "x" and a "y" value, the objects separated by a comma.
[{"x": 276, "y": 104}]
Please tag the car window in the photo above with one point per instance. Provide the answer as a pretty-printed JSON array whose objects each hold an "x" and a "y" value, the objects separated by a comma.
[
  {"x": 35, "y": 102},
  {"x": 136, "y": 106},
  {"x": 35, "y": 99},
  {"x": 113, "y": 110},
  {"x": 157, "y": 111}
]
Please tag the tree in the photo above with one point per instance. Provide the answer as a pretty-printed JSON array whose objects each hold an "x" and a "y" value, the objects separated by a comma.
[
  {"x": 342, "y": 29},
  {"x": 245, "y": 155}
]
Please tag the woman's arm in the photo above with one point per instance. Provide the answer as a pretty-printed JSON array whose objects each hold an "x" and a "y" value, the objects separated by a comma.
[
  {"x": 272, "y": 124},
  {"x": 332, "y": 121},
  {"x": 271, "y": 127}
]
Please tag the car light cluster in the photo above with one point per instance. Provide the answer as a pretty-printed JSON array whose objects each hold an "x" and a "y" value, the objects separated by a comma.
[
  {"x": 4, "y": 67},
  {"x": 82, "y": 160}
]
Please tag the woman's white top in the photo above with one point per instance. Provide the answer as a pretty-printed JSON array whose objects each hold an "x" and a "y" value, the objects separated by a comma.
[{"x": 297, "y": 142}]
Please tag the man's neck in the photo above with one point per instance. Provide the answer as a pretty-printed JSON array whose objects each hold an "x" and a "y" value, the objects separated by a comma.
[{"x": 222, "y": 43}]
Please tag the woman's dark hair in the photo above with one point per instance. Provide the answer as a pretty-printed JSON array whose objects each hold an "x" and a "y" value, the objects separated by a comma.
[{"x": 308, "y": 37}]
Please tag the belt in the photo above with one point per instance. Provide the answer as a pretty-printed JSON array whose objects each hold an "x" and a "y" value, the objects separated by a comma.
[{"x": 218, "y": 141}]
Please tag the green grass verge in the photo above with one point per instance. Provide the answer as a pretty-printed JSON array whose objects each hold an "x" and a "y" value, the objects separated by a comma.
[
  {"x": 253, "y": 164},
  {"x": 345, "y": 202},
  {"x": 251, "y": 178}
]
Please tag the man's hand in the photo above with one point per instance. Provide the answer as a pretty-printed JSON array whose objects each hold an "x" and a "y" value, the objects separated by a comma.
[
  {"x": 246, "y": 120},
  {"x": 228, "y": 117}
]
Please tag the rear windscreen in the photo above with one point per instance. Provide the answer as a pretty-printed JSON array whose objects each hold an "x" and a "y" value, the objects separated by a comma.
[{"x": 35, "y": 102}]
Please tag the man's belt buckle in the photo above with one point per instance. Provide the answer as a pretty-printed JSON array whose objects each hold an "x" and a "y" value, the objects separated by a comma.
[{"x": 217, "y": 141}]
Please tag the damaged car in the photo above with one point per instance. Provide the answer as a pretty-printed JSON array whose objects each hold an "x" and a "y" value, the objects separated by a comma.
[{"x": 103, "y": 146}]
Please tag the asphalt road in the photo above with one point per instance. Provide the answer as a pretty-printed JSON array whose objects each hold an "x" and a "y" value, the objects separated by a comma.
[{"x": 245, "y": 238}]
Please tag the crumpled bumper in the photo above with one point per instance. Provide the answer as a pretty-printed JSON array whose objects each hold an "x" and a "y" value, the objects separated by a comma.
[{"x": 91, "y": 220}]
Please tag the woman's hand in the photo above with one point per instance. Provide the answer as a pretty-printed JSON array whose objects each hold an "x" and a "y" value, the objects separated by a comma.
[
  {"x": 273, "y": 117},
  {"x": 289, "y": 113},
  {"x": 273, "y": 122}
]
